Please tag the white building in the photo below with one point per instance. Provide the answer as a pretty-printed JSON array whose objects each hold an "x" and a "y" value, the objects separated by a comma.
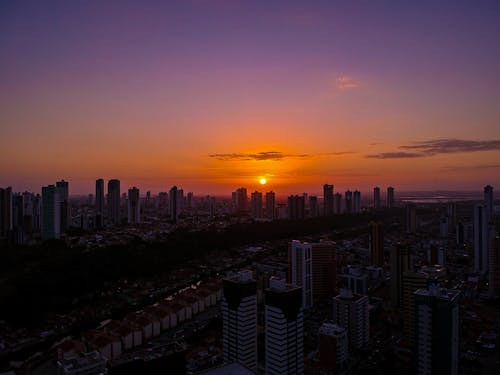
[
  {"x": 239, "y": 320},
  {"x": 350, "y": 311},
  {"x": 284, "y": 335},
  {"x": 437, "y": 331},
  {"x": 300, "y": 263}
]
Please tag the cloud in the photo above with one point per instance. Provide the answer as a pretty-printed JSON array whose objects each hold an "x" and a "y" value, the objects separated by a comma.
[
  {"x": 458, "y": 168},
  {"x": 394, "y": 155},
  {"x": 271, "y": 155},
  {"x": 438, "y": 146},
  {"x": 346, "y": 83}
]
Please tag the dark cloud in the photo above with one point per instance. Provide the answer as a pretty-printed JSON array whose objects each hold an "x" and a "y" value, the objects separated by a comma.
[
  {"x": 394, "y": 155},
  {"x": 448, "y": 146},
  {"x": 438, "y": 146},
  {"x": 271, "y": 155}
]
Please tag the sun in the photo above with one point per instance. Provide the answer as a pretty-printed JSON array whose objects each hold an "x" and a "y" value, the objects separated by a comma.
[{"x": 263, "y": 181}]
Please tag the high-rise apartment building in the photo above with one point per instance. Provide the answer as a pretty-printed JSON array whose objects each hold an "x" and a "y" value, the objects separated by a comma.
[
  {"x": 270, "y": 205},
  {"x": 313, "y": 206},
  {"x": 134, "y": 206},
  {"x": 114, "y": 215},
  {"x": 401, "y": 261},
  {"x": 296, "y": 207},
  {"x": 390, "y": 197},
  {"x": 494, "y": 265},
  {"x": 256, "y": 204},
  {"x": 51, "y": 213},
  {"x": 376, "y": 242},
  {"x": 350, "y": 311},
  {"x": 376, "y": 197},
  {"x": 173, "y": 206},
  {"x": 337, "y": 204},
  {"x": 241, "y": 200},
  {"x": 480, "y": 239},
  {"x": 284, "y": 329},
  {"x": 99, "y": 202},
  {"x": 437, "y": 331},
  {"x": 239, "y": 320},
  {"x": 313, "y": 267},
  {"x": 488, "y": 202},
  {"x": 64, "y": 206},
  {"x": 327, "y": 200},
  {"x": 411, "y": 218},
  {"x": 356, "y": 202},
  {"x": 348, "y": 202},
  {"x": 5, "y": 211}
]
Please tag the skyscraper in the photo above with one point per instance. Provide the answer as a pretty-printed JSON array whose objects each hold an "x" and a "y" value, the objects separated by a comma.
[
  {"x": 356, "y": 202},
  {"x": 348, "y": 202},
  {"x": 65, "y": 215},
  {"x": 174, "y": 212},
  {"x": 333, "y": 347},
  {"x": 134, "y": 206},
  {"x": 376, "y": 241},
  {"x": 5, "y": 211},
  {"x": 401, "y": 261},
  {"x": 241, "y": 200},
  {"x": 270, "y": 205},
  {"x": 284, "y": 329},
  {"x": 51, "y": 213},
  {"x": 99, "y": 202},
  {"x": 114, "y": 202},
  {"x": 313, "y": 206},
  {"x": 480, "y": 239},
  {"x": 256, "y": 204},
  {"x": 296, "y": 207},
  {"x": 239, "y": 320},
  {"x": 494, "y": 266},
  {"x": 376, "y": 197},
  {"x": 390, "y": 197},
  {"x": 350, "y": 311},
  {"x": 488, "y": 202},
  {"x": 337, "y": 203},
  {"x": 437, "y": 331},
  {"x": 411, "y": 218},
  {"x": 327, "y": 200},
  {"x": 313, "y": 267}
]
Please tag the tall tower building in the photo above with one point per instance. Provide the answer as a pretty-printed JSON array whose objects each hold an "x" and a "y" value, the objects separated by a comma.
[
  {"x": 114, "y": 202},
  {"x": 401, "y": 261},
  {"x": 270, "y": 205},
  {"x": 134, "y": 206},
  {"x": 241, "y": 200},
  {"x": 333, "y": 347},
  {"x": 348, "y": 202},
  {"x": 239, "y": 320},
  {"x": 376, "y": 197},
  {"x": 390, "y": 197},
  {"x": 284, "y": 325},
  {"x": 65, "y": 215},
  {"x": 5, "y": 211},
  {"x": 356, "y": 202},
  {"x": 174, "y": 200},
  {"x": 327, "y": 200},
  {"x": 494, "y": 266},
  {"x": 437, "y": 331},
  {"x": 256, "y": 204},
  {"x": 411, "y": 218},
  {"x": 488, "y": 202},
  {"x": 377, "y": 243},
  {"x": 296, "y": 207},
  {"x": 313, "y": 206},
  {"x": 313, "y": 267},
  {"x": 337, "y": 203},
  {"x": 51, "y": 213},
  {"x": 480, "y": 239},
  {"x": 99, "y": 202},
  {"x": 350, "y": 311}
]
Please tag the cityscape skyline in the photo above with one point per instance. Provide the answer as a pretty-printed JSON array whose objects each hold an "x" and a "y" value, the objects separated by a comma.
[{"x": 220, "y": 94}]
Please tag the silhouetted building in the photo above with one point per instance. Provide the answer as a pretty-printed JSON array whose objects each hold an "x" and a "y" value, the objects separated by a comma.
[
  {"x": 174, "y": 201},
  {"x": 401, "y": 261},
  {"x": 134, "y": 206},
  {"x": 488, "y": 202},
  {"x": 350, "y": 311},
  {"x": 348, "y": 202},
  {"x": 99, "y": 202},
  {"x": 313, "y": 206},
  {"x": 337, "y": 203},
  {"x": 356, "y": 202},
  {"x": 327, "y": 200},
  {"x": 411, "y": 218},
  {"x": 256, "y": 204},
  {"x": 284, "y": 329},
  {"x": 5, "y": 211},
  {"x": 64, "y": 206},
  {"x": 437, "y": 331},
  {"x": 296, "y": 207},
  {"x": 480, "y": 239},
  {"x": 114, "y": 216},
  {"x": 390, "y": 197},
  {"x": 51, "y": 213},
  {"x": 494, "y": 266},
  {"x": 376, "y": 198},
  {"x": 239, "y": 320},
  {"x": 241, "y": 200},
  {"x": 377, "y": 243},
  {"x": 270, "y": 205}
]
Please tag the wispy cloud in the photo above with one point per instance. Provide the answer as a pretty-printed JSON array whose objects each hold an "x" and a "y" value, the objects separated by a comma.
[
  {"x": 459, "y": 168},
  {"x": 271, "y": 155},
  {"x": 438, "y": 146},
  {"x": 394, "y": 155},
  {"x": 346, "y": 83}
]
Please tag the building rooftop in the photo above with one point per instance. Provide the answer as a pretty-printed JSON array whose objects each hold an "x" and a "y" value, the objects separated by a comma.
[{"x": 442, "y": 293}]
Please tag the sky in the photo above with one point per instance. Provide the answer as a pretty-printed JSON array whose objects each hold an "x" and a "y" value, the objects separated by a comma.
[{"x": 211, "y": 95}]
